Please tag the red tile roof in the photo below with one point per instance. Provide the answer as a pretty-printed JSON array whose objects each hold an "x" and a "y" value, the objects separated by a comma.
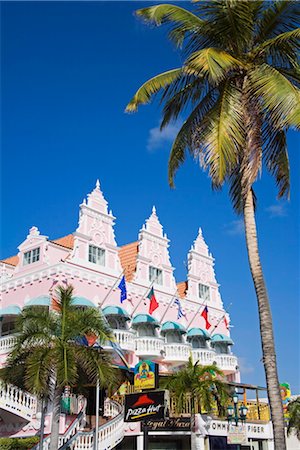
[
  {"x": 182, "y": 288},
  {"x": 128, "y": 254},
  {"x": 65, "y": 241},
  {"x": 12, "y": 260}
]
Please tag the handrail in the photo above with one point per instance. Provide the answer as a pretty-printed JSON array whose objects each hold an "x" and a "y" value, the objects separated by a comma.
[{"x": 89, "y": 436}]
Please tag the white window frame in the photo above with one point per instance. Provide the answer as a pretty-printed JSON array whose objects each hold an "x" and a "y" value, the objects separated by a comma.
[
  {"x": 31, "y": 256},
  {"x": 96, "y": 255},
  {"x": 155, "y": 275},
  {"x": 206, "y": 292}
]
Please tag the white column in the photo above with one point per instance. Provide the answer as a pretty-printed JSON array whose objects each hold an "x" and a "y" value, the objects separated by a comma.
[
  {"x": 268, "y": 445},
  {"x": 139, "y": 442},
  {"x": 198, "y": 442}
]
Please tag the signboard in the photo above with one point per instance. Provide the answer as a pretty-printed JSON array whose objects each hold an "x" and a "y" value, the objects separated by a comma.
[
  {"x": 285, "y": 392},
  {"x": 145, "y": 375},
  {"x": 144, "y": 405},
  {"x": 170, "y": 424},
  {"x": 237, "y": 435}
]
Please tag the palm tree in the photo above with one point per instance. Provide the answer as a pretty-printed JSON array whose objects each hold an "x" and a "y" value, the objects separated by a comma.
[
  {"x": 48, "y": 355},
  {"x": 239, "y": 88},
  {"x": 294, "y": 417},
  {"x": 203, "y": 385}
]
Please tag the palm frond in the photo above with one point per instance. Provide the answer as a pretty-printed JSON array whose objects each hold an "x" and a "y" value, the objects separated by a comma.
[
  {"x": 279, "y": 41},
  {"x": 151, "y": 87},
  {"x": 280, "y": 17},
  {"x": 212, "y": 63},
  {"x": 231, "y": 21},
  {"x": 183, "y": 21},
  {"x": 175, "y": 102},
  {"x": 183, "y": 140},
  {"x": 279, "y": 97},
  {"x": 276, "y": 158},
  {"x": 221, "y": 135}
]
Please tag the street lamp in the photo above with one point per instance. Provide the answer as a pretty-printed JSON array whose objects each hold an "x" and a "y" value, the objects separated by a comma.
[{"x": 235, "y": 414}]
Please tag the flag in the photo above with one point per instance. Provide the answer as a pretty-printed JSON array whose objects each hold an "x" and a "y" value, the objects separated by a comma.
[
  {"x": 226, "y": 323},
  {"x": 204, "y": 314},
  {"x": 117, "y": 348},
  {"x": 180, "y": 312},
  {"x": 153, "y": 302},
  {"x": 122, "y": 287},
  {"x": 88, "y": 340}
]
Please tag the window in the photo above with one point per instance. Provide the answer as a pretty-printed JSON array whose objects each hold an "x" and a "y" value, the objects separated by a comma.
[
  {"x": 96, "y": 255},
  {"x": 204, "y": 292},
  {"x": 32, "y": 256},
  {"x": 155, "y": 275}
]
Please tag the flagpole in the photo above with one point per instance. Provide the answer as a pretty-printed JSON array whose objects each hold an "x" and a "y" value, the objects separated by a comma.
[
  {"x": 218, "y": 323},
  {"x": 169, "y": 305},
  {"x": 112, "y": 288},
  {"x": 197, "y": 312},
  {"x": 145, "y": 295}
]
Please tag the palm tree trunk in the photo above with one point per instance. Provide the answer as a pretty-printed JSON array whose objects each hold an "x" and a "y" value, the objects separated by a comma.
[
  {"x": 266, "y": 325},
  {"x": 55, "y": 419}
]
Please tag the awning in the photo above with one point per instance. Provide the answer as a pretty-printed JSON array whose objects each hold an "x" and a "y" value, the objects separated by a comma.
[
  {"x": 170, "y": 326},
  {"x": 144, "y": 318},
  {"x": 221, "y": 338},
  {"x": 42, "y": 300},
  {"x": 198, "y": 332},
  {"x": 82, "y": 301},
  {"x": 115, "y": 311},
  {"x": 12, "y": 310}
]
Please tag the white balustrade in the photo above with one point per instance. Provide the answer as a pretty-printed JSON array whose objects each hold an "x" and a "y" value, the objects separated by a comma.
[
  {"x": 7, "y": 343},
  {"x": 227, "y": 362},
  {"x": 149, "y": 346},
  {"x": 17, "y": 402},
  {"x": 125, "y": 339},
  {"x": 204, "y": 356},
  {"x": 177, "y": 352}
]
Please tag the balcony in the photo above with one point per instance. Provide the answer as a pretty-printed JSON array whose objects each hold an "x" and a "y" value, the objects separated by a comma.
[
  {"x": 227, "y": 363},
  {"x": 149, "y": 346},
  {"x": 177, "y": 352},
  {"x": 7, "y": 343},
  {"x": 204, "y": 356},
  {"x": 125, "y": 339}
]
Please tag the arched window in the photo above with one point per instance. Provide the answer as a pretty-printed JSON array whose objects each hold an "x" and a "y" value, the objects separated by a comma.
[
  {"x": 198, "y": 342},
  {"x": 221, "y": 348},
  {"x": 146, "y": 330},
  {"x": 173, "y": 337}
]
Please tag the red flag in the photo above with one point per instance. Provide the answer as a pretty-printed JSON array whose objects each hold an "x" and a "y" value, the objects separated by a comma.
[
  {"x": 204, "y": 314},
  {"x": 226, "y": 323},
  {"x": 153, "y": 302}
]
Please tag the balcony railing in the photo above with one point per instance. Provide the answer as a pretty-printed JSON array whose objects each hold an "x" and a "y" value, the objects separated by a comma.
[
  {"x": 7, "y": 343},
  {"x": 149, "y": 346},
  {"x": 204, "y": 356},
  {"x": 125, "y": 339},
  {"x": 226, "y": 362},
  {"x": 177, "y": 352}
]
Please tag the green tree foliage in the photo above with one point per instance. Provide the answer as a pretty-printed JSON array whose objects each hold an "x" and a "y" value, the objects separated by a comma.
[{"x": 294, "y": 419}]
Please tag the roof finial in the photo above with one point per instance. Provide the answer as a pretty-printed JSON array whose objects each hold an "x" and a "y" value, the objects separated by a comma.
[
  {"x": 200, "y": 231},
  {"x": 98, "y": 184},
  {"x": 153, "y": 210}
]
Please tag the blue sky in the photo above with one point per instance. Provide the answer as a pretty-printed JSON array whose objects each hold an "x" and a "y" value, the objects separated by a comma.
[{"x": 68, "y": 70}]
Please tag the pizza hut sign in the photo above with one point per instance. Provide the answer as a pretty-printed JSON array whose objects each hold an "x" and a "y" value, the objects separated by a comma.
[{"x": 144, "y": 405}]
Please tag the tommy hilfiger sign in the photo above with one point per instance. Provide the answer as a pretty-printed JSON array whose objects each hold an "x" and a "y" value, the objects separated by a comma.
[{"x": 144, "y": 406}]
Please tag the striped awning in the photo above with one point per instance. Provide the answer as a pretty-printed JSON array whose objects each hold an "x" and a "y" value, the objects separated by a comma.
[
  {"x": 42, "y": 300},
  {"x": 115, "y": 311},
  {"x": 198, "y": 332},
  {"x": 221, "y": 338},
  {"x": 12, "y": 310},
  {"x": 170, "y": 326},
  {"x": 144, "y": 318}
]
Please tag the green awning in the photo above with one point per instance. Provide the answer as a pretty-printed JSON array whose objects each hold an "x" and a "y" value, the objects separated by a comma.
[
  {"x": 42, "y": 300},
  {"x": 115, "y": 311},
  {"x": 12, "y": 310},
  {"x": 82, "y": 301},
  {"x": 198, "y": 332},
  {"x": 144, "y": 318},
  {"x": 170, "y": 326},
  {"x": 221, "y": 338}
]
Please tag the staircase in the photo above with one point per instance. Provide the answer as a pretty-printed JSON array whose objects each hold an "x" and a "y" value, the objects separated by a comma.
[
  {"x": 17, "y": 402},
  {"x": 110, "y": 433}
]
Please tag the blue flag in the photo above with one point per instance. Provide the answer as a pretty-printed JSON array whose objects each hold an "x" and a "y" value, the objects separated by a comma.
[{"x": 122, "y": 287}]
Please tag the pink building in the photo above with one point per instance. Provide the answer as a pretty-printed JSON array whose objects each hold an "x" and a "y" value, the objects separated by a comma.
[{"x": 90, "y": 259}]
